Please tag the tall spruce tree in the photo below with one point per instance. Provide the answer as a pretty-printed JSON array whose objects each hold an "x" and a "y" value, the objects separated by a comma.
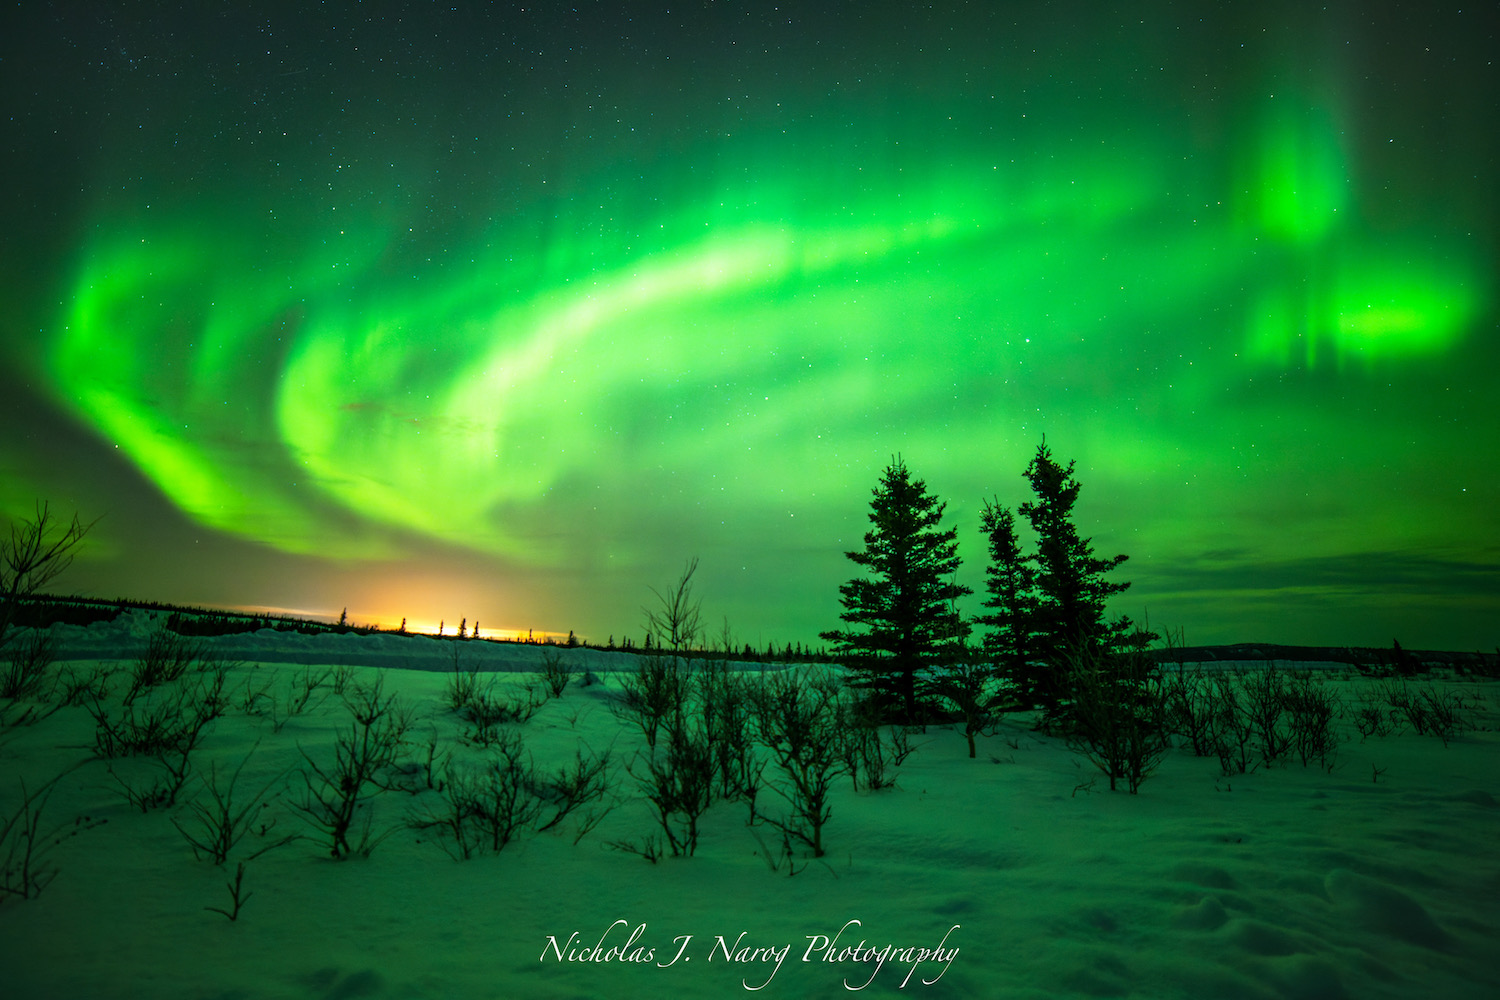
[
  {"x": 1070, "y": 585},
  {"x": 903, "y": 615},
  {"x": 1010, "y": 582}
]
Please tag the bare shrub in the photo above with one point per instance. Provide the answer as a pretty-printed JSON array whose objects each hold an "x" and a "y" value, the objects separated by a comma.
[
  {"x": 463, "y": 683},
  {"x": 165, "y": 724},
  {"x": 81, "y": 687},
  {"x": 338, "y": 799},
  {"x": 677, "y": 620},
  {"x": 557, "y": 671},
  {"x": 304, "y": 691},
  {"x": 1233, "y": 728},
  {"x": 975, "y": 694},
  {"x": 1375, "y": 720},
  {"x": 1189, "y": 697},
  {"x": 798, "y": 720},
  {"x": 1265, "y": 702},
  {"x": 1313, "y": 707},
  {"x": 1429, "y": 709},
  {"x": 26, "y": 845},
  {"x": 677, "y": 778},
  {"x": 489, "y": 709},
  {"x": 484, "y": 808},
  {"x": 868, "y": 756},
  {"x": 36, "y": 551},
  {"x": 653, "y": 695},
  {"x": 166, "y": 658},
  {"x": 238, "y": 895},
  {"x": 720, "y": 697},
  {"x": 582, "y": 786},
  {"x": 217, "y": 824},
  {"x": 1118, "y": 715},
  {"x": 28, "y": 664}
]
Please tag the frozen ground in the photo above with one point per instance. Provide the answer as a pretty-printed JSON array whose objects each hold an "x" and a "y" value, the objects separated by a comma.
[{"x": 1288, "y": 882}]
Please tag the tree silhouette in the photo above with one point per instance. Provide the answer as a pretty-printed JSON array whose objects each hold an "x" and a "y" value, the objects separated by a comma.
[
  {"x": 677, "y": 620},
  {"x": 1010, "y": 582},
  {"x": 31, "y": 558},
  {"x": 903, "y": 615},
  {"x": 1071, "y": 591}
]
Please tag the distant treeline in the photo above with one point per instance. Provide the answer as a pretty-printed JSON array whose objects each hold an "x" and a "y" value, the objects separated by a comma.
[
  {"x": 43, "y": 610},
  {"x": 1393, "y": 656}
]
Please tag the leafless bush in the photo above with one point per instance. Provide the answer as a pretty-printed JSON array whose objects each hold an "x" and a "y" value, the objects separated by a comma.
[
  {"x": 484, "y": 808},
  {"x": 557, "y": 671},
  {"x": 1233, "y": 728},
  {"x": 463, "y": 683},
  {"x": 583, "y": 785},
  {"x": 219, "y": 824},
  {"x": 237, "y": 895},
  {"x": 166, "y": 720},
  {"x": 164, "y": 724},
  {"x": 167, "y": 658},
  {"x": 653, "y": 695},
  {"x": 677, "y": 778},
  {"x": 1189, "y": 697},
  {"x": 781, "y": 857},
  {"x": 1313, "y": 709},
  {"x": 721, "y": 700},
  {"x": 28, "y": 664},
  {"x": 81, "y": 687},
  {"x": 301, "y": 695},
  {"x": 975, "y": 694},
  {"x": 869, "y": 755},
  {"x": 433, "y": 765},
  {"x": 1118, "y": 715},
  {"x": 798, "y": 720},
  {"x": 489, "y": 709},
  {"x": 1375, "y": 720},
  {"x": 677, "y": 620},
  {"x": 1429, "y": 709},
  {"x": 31, "y": 557},
  {"x": 26, "y": 846},
  {"x": 649, "y": 847},
  {"x": 255, "y": 693},
  {"x": 15, "y": 716},
  {"x": 1265, "y": 702},
  {"x": 338, "y": 795},
  {"x": 864, "y": 751}
]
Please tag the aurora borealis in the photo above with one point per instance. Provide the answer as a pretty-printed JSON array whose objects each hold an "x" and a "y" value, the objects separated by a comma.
[{"x": 442, "y": 311}]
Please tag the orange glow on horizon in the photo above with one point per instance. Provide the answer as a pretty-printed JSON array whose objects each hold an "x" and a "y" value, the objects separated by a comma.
[{"x": 393, "y": 623}]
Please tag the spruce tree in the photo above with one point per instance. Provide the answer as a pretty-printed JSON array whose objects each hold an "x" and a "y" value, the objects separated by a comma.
[
  {"x": 1010, "y": 582},
  {"x": 903, "y": 616},
  {"x": 1071, "y": 589}
]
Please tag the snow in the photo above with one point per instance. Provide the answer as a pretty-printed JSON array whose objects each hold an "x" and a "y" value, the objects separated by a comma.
[{"x": 1016, "y": 874}]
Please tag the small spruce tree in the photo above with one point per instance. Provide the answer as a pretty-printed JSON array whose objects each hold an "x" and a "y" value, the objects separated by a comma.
[
  {"x": 1071, "y": 591},
  {"x": 903, "y": 615},
  {"x": 1010, "y": 582}
]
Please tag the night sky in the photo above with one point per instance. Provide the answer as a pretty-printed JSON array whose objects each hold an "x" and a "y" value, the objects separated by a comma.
[{"x": 503, "y": 313}]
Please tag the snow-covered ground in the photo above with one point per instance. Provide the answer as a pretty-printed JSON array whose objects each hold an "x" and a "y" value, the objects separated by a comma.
[{"x": 1019, "y": 878}]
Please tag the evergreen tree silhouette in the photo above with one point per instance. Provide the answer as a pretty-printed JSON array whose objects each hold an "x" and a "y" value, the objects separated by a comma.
[
  {"x": 1071, "y": 591},
  {"x": 1010, "y": 582},
  {"x": 903, "y": 615}
]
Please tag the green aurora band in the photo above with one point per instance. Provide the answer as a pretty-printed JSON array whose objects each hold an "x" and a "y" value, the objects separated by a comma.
[{"x": 715, "y": 352}]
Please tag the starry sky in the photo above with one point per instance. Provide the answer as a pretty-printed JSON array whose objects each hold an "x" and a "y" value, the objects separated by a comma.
[{"x": 472, "y": 310}]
